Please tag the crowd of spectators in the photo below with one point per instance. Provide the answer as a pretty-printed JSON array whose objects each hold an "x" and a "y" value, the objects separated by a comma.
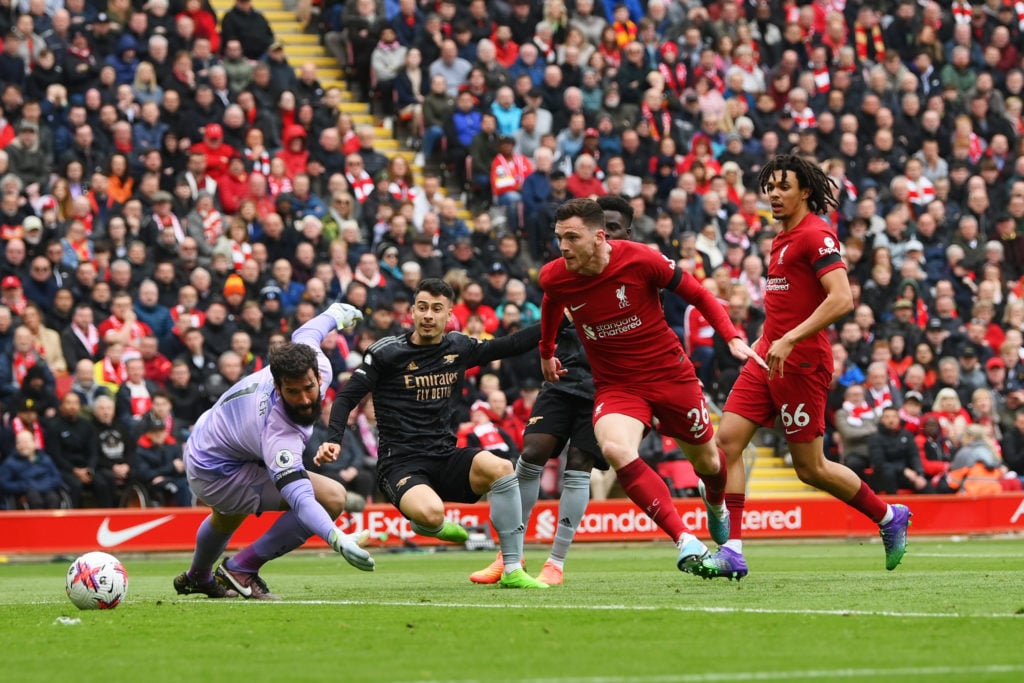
[{"x": 175, "y": 197}]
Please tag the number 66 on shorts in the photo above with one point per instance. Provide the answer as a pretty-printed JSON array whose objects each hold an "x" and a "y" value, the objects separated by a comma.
[
  {"x": 796, "y": 399},
  {"x": 795, "y": 420}
]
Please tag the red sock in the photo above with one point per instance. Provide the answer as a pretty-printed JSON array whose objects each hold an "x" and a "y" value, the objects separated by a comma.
[
  {"x": 714, "y": 484},
  {"x": 869, "y": 504},
  {"x": 735, "y": 503},
  {"x": 649, "y": 491}
]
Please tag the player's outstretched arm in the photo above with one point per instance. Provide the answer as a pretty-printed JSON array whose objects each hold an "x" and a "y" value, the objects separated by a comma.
[
  {"x": 359, "y": 385},
  {"x": 740, "y": 349},
  {"x": 690, "y": 289},
  {"x": 350, "y": 546},
  {"x": 345, "y": 315},
  {"x": 299, "y": 494},
  {"x": 336, "y": 317},
  {"x": 506, "y": 347}
]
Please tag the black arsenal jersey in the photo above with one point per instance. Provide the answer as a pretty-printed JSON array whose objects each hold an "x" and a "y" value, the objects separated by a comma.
[
  {"x": 577, "y": 381},
  {"x": 412, "y": 388}
]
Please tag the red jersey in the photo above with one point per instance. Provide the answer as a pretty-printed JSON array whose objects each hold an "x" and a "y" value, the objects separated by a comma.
[
  {"x": 618, "y": 313},
  {"x": 139, "y": 329},
  {"x": 799, "y": 258},
  {"x": 507, "y": 175},
  {"x": 217, "y": 158}
]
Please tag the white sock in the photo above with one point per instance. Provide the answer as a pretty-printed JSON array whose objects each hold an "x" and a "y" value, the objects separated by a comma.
[
  {"x": 735, "y": 545},
  {"x": 685, "y": 538},
  {"x": 558, "y": 563},
  {"x": 888, "y": 515},
  {"x": 719, "y": 511}
]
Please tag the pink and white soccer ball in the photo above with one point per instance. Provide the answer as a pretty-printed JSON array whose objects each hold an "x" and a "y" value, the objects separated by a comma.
[{"x": 97, "y": 581}]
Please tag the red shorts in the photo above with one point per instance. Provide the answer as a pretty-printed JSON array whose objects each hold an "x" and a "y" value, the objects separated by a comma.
[
  {"x": 677, "y": 403},
  {"x": 798, "y": 399}
]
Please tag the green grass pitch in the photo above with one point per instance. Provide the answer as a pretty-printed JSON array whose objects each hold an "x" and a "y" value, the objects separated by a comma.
[{"x": 811, "y": 611}]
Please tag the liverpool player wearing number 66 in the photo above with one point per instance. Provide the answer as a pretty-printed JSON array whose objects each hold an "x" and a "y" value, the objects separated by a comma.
[
  {"x": 611, "y": 290},
  {"x": 807, "y": 291}
]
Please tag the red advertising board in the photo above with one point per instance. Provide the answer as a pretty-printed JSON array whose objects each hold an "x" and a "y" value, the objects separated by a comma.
[{"x": 165, "y": 529}]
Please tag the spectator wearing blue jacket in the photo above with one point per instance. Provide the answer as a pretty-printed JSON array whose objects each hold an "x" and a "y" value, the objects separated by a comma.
[
  {"x": 31, "y": 474},
  {"x": 408, "y": 22},
  {"x": 148, "y": 130},
  {"x": 528, "y": 62},
  {"x": 465, "y": 121},
  {"x": 506, "y": 112},
  {"x": 636, "y": 10},
  {"x": 304, "y": 201},
  {"x": 148, "y": 310},
  {"x": 459, "y": 130},
  {"x": 125, "y": 59}
]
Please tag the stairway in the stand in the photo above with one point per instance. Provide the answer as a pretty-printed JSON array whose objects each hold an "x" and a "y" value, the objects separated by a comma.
[{"x": 301, "y": 47}]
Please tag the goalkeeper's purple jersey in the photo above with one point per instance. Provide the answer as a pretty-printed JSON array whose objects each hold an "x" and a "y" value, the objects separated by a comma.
[{"x": 248, "y": 422}]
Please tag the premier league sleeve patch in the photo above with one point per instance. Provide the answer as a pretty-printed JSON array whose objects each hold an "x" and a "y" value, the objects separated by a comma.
[{"x": 284, "y": 458}]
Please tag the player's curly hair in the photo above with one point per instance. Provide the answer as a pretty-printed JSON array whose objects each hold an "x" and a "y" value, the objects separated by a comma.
[
  {"x": 821, "y": 199},
  {"x": 292, "y": 361}
]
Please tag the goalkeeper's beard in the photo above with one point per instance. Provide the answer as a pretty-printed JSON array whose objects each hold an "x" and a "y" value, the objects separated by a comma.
[{"x": 303, "y": 416}]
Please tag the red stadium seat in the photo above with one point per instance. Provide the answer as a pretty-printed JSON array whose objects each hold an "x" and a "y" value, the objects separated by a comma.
[{"x": 678, "y": 474}]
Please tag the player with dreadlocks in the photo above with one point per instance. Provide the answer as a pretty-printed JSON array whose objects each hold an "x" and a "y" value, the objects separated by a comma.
[{"x": 807, "y": 291}]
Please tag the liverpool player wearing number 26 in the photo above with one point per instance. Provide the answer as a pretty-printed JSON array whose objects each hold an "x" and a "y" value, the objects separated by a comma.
[
  {"x": 807, "y": 291},
  {"x": 611, "y": 290}
]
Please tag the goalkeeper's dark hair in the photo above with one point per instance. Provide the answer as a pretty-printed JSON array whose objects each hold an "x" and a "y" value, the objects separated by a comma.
[
  {"x": 293, "y": 361},
  {"x": 436, "y": 287},
  {"x": 612, "y": 202},
  {"x": 809, "y": 176}
]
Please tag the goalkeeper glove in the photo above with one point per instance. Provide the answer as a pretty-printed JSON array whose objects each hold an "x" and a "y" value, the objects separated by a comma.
[
  {"x": 350, "y": 546},
  {"x": 344, "y": 314}
]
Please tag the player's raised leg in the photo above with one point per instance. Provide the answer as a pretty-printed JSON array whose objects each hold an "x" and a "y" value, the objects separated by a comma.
[
  {"x": 425, "y": 511},
  {"x": 843, "y": 483}
]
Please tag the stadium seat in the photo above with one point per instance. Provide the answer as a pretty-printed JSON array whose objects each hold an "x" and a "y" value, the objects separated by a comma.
[{"x": 679, "y": 476}]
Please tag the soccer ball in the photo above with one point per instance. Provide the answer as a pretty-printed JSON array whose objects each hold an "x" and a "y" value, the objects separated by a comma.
[{"x": 97, "y": 581}]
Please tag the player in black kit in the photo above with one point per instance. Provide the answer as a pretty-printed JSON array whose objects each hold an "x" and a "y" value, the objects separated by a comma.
[
  {"x": 563, "y": 414},
  {"x": 412, "y": 377}
]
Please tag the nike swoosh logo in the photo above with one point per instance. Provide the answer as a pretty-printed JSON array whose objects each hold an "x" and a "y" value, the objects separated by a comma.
[
  {"x": 108, "y": 539},
  {"x": 576, "y": 308},
  {"x": 244, "y": 591},
  {"x": 792, "y": 431}
]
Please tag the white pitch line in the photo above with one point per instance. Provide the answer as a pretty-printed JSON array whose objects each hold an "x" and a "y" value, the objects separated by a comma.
[
  {"x": 626, "y": 608},
  {"x": 810, "y": 674},
  {"x": 969, "y": 556}
]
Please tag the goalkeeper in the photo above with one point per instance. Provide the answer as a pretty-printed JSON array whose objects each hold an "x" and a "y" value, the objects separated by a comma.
[{"x": 244, "y": 457}]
